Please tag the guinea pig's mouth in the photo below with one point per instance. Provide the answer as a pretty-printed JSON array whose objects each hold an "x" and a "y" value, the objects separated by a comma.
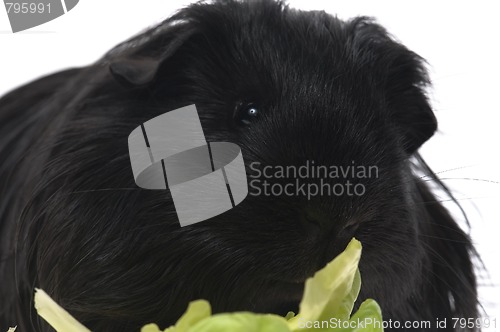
[
  {"x": 283, "y": 296},
  {"x": 289, "y": 281}
]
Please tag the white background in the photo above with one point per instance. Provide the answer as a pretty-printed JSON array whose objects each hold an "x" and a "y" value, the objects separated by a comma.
[{"x": 459, "y": 40}]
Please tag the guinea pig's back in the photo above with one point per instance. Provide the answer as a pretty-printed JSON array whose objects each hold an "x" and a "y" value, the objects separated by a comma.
[{"x": 25, "y": 114}]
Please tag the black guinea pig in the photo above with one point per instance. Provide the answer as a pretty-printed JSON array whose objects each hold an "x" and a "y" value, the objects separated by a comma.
[{"x": 288, "y": 87}]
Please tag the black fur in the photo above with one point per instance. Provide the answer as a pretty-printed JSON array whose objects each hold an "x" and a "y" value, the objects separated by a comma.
[{"x": 74, "y": 223}]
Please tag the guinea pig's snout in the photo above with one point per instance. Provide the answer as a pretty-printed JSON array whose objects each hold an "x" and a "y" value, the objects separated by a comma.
[
  {"x": 329, "y": 232},
  {"x": 325, "y": 222},
  {"x": 314, "y": 220}
]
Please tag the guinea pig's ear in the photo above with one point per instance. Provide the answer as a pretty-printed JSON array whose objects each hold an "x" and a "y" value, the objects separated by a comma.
[
  {"x": 134, "y": 72},
  {"x": 403, "y": 77},
  {"x": 137, "y": 61},
  {"x": 406, "y": 98}
]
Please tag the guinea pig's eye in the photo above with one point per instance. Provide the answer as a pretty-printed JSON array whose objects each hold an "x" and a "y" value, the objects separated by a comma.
[{"x": 246, "y": 114}]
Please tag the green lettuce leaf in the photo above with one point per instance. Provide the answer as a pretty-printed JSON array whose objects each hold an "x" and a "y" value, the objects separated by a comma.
[
  {"x": 55, "y": 315},
  {"x": 329, "y": 295},
  {"x": 331, "y": 292}
]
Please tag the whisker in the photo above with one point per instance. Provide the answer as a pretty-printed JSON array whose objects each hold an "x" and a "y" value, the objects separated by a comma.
[
  {"x": 445, "y": 171},
  {"x": 103, "y": 189},
  {"x": 470, "y": 179}
]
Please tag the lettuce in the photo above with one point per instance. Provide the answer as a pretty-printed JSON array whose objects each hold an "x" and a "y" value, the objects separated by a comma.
[
  {"x": 329, "y": 298},
  {"x": 56, "y": 316}
]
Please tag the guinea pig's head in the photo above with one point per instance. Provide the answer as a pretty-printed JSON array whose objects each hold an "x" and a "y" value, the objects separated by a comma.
[{"x": 290, "y": 88}]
